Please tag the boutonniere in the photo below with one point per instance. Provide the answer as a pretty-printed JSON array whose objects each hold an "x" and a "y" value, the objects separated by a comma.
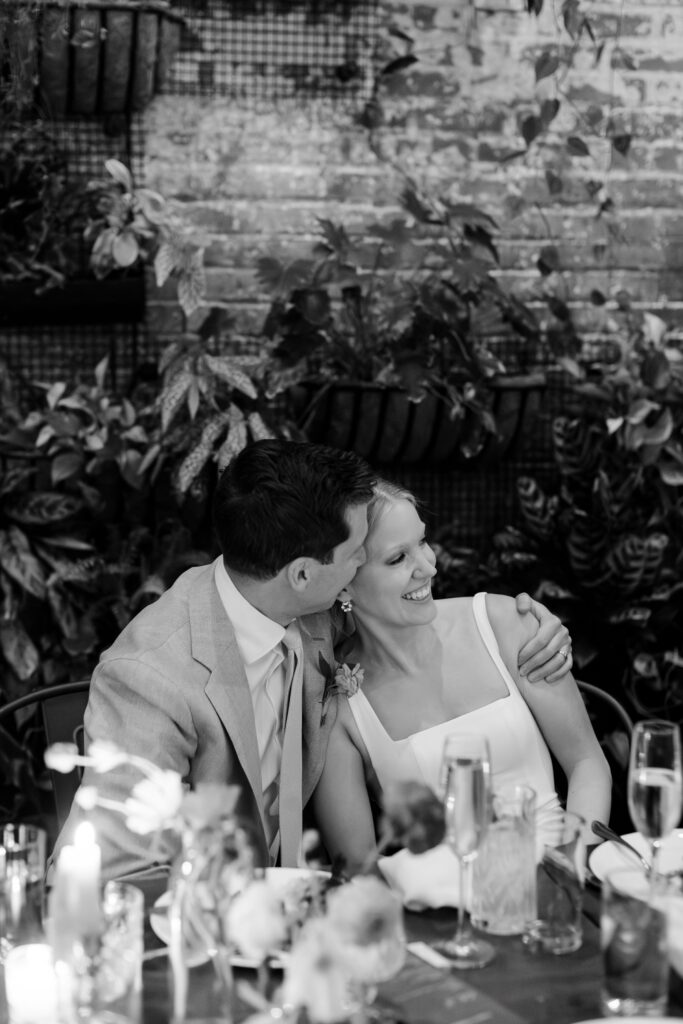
[{"x": 343, "y": 678}]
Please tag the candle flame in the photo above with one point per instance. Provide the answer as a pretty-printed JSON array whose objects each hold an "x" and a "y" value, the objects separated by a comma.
[{"x": 84, "y": 835}]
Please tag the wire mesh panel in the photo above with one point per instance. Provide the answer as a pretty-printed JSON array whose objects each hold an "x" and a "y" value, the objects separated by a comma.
[
  {"x": 274, "y": 50},
  {"x": 52, "y": 353}
]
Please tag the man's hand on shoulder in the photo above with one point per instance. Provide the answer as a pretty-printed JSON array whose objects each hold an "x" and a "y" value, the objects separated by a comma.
[{"x": 546, "y": 656}]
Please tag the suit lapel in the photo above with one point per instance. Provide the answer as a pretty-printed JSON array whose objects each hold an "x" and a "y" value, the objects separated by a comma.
[
  {"x": 315, "y": 634},
  {"x": 215, "y": 646}
]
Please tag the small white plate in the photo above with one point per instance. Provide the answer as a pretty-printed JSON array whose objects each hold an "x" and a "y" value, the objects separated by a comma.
[
  {"x": 279, "y": 878},
  {"x": 609, "y": 855},
  {"x": 633, "y": 1020}
]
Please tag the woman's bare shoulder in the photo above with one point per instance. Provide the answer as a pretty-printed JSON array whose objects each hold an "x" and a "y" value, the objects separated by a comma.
[{"x": 505, "y": 619}]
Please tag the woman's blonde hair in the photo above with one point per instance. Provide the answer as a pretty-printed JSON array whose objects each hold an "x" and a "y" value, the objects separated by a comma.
[{"x": 384, "y": 495}]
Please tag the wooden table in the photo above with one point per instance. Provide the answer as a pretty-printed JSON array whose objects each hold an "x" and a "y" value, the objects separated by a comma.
[{"x": 518, "y": 985}]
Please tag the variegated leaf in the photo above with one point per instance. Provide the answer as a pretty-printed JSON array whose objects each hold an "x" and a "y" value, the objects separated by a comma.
[
  {"x": 225, "y": 368},
  {"x": 18, "y": 649},
  {"x": 173, "y": 396},
  {"x": 259, "y": 430},
  {"x": 19, "y": 562}
]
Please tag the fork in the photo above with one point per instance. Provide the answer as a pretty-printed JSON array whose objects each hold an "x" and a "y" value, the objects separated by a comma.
[{"x": 605, "y": 832}]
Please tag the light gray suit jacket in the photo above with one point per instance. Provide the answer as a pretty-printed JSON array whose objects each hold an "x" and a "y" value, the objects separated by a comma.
[{"x": 172, "y": 688}]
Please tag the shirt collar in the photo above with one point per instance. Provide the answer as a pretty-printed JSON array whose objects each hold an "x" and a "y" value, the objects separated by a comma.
[{"x": 255, "y": 633}]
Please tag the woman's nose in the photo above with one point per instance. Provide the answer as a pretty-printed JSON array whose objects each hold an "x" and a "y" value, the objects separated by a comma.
[{"x": 425, "y": 566}]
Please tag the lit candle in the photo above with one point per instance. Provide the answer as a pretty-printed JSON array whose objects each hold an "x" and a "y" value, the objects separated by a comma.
[
  {"x": 76, "y": 904},
  {"x": 30, "y": 985}
]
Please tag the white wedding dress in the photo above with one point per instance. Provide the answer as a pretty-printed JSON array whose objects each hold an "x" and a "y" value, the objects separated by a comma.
[{"x": 518, "y": 755}]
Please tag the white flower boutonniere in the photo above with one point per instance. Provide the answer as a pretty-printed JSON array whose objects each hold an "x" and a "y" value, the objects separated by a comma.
[{"x": 343, "y": 679}]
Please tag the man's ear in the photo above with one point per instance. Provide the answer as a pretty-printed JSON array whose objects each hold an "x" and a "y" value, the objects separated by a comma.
[{"x": 299, "y": 574}]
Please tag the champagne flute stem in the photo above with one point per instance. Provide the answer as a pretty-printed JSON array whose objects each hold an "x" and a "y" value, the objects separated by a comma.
[
  {"x": 463, "y": 932},
  {"x": 655, "y": 847}
]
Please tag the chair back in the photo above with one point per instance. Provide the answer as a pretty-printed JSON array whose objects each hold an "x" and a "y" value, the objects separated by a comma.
[
  {"x": 62, "y": 708},
  {"x": 613, "y": 727}
]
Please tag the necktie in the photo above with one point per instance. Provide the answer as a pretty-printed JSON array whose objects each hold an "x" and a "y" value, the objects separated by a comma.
[{"x": 290, "y": 768}]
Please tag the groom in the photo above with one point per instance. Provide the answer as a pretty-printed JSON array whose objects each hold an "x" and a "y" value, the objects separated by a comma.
[{"x": 202, "y": 681}]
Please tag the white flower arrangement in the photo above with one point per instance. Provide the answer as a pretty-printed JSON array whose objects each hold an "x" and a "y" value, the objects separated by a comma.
[{"x": 334, "y": 945}]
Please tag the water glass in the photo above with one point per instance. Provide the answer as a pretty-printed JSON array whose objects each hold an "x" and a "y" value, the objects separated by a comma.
[
  {"x": 22, "y": 865},
  {"x": 633, "y": 933},
  {"x": 557, "y": 927},
  {"x": 504, "y": 875},
  {"x": 103, "y": 974},
  {"x": 27, "y": 841}
]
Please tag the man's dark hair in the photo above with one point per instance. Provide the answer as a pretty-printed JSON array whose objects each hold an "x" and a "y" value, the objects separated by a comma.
[{"x": 278, "y": 500}]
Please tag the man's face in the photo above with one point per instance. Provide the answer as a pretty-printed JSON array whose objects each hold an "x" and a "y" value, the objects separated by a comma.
[{"x": 329, "y": 579}]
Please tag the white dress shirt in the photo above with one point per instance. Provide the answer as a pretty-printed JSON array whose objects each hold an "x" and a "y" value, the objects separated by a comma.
[{"x": 259, "y": 640}]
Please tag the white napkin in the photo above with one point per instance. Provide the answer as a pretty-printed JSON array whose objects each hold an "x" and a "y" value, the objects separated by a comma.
[{"x": 430, "y": 879}]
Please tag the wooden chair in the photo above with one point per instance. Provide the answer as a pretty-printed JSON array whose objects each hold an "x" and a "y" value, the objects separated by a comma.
[{"x": 62, "y": 709}]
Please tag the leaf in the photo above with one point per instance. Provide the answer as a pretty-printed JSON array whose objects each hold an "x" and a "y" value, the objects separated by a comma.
[
  {"x": 554, "y": 182},
  {"x": 225, "y": 370},
  {"x": 548, "y": 260},
  {"x": 546, "y": 65},
  {"x": 655, "y": 370},
  {"x": 577, "y": 147},
  {"x": 412, "y": 204},
  {"x": 372, "y": 114},
  {"x": 165, "y": 263},
  {"x": 191, "y": 290},
  {"x": 622, "y": 143},
  {"x": 400, "y": 64},
  {"x": 18, "y": 561},
  {"x": 571, "y": 17},
  {"x": 70, "y": 543},
  {"x": 65, "y": 467},
  {"x": 269, "y": 272},
  {"x": 621, "y": 60},
  {"x": 559, "y": 308},
  {"x": 549, "y": 109},
  {"x": 18, "y": 649},
  {"x": 119, "y": 173},
  {"x": 671, "y": 474},
  {"x": 480, "y": 236},
  {"x": 660, "y": 432},
  {"x": 125, "y": 249},
  {"x": 531, "y": 127}
]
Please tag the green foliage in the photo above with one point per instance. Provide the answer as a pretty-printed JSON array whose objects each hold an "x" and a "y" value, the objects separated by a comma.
[
  {"x": 42, "y": 211},
  {"x": 412, "y": 304},
  {"x": 209, "y": 407},
  {"x": 606, "y": 548},
  {"x": 133, "y": 227}
]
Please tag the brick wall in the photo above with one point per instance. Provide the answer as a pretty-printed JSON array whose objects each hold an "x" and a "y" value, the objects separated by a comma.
[{"x": 253, "y": 177}]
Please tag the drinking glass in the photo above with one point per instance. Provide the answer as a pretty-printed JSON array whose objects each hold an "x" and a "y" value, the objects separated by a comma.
[
  {"x": 504, "y": 871},
  {"x": 633, "y": 934},
  {"x": 655, "y": 782},
  {"x": 467, "y": 802}
]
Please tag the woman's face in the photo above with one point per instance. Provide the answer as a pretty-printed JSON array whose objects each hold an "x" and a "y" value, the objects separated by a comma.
[{"x": 394, "y": 584}]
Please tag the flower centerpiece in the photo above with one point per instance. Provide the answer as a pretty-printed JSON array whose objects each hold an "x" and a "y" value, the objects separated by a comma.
[{"x": 335, "y": 938}]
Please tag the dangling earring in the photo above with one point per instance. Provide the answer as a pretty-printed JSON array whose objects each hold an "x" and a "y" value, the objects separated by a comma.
[{"x": 347, "y": 605}]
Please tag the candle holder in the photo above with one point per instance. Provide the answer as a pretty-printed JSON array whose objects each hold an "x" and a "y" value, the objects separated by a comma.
[
  {"x": 30, "y": 985},
  {"x": 101, "y": 972}
]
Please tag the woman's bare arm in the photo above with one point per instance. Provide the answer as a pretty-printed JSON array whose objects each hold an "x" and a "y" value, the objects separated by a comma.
[
  {"x": 341, "y": 803},
  {"x": 561, "y": 715}
]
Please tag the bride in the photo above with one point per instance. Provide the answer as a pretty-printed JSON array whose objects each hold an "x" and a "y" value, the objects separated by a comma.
[{"x": 433, "y": 667}]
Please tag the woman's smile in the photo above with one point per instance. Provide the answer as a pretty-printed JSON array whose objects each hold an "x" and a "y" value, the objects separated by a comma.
[{"x": 422, "y": 594}]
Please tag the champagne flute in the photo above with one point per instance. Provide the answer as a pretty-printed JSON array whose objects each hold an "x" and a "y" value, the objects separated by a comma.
[
  {"x": 465, "y": 774},
  {"x": 655, "y": 782}
]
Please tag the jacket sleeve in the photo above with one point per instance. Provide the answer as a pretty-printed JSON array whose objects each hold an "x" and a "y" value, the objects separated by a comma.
[{"x": 142, "y": 711}]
